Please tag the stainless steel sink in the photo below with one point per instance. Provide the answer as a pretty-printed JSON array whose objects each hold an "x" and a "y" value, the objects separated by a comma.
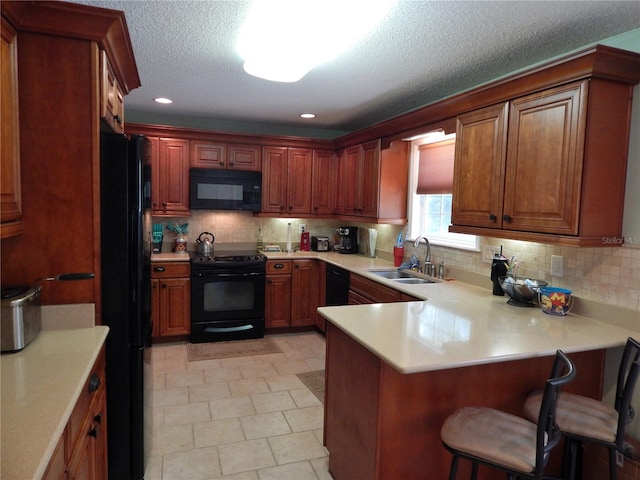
[
  {"x": 402, "y": 276},
  {"x": 392, "y": 274},
  {"x": 414, "y": 281}
]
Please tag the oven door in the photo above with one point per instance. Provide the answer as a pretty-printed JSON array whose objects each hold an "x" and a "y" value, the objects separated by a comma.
[{"x": 227, "y": 305}]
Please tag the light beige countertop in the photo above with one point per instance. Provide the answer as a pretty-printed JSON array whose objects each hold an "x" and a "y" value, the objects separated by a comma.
[
  {"x": 458, "y": 325},
  {"x": 40, "y": 387}
]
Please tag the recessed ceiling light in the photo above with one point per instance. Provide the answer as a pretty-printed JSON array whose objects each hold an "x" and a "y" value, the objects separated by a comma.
[
  {"x": 163, "y": 100},
  {"x": 308, "y": 115}
]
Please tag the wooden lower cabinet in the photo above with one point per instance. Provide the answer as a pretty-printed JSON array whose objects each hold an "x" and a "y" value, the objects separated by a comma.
[
  {"x": 171, "y": 299},
  {"x": 382, "y": 424},
  {"x": 291, "y": 293},
  {"x": 81, "y": 452},
  {"x": 364, "y": 291}
]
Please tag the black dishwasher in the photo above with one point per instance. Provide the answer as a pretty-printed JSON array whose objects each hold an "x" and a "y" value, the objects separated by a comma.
[{"x": 337, "y": 286}]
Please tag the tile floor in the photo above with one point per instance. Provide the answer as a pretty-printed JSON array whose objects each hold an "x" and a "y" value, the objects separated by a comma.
[{"x": 243, "y": 418}]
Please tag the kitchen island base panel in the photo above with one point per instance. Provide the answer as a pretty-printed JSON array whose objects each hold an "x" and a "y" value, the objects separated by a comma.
[{"x": 382, "y": 424}]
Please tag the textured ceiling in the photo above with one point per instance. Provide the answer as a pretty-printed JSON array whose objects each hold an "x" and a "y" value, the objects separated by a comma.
[{"x": 424, "y": 51}]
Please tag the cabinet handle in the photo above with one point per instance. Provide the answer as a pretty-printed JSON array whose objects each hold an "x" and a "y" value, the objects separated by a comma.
[
  {"x": 93, "y": 432},
  {"x": 290, "y": 207},
  {"x": 98, "y": 418},
  {"x": 158, "y": 269},
  {"x": 94, "y": 383},
  {"x": 492, "y": 217},
  {"x": 506, "y": 218},
  {"x": 117, "y": 118},
  {"x": 279, "y": 266},
  {"x": 231, "y": 164}
]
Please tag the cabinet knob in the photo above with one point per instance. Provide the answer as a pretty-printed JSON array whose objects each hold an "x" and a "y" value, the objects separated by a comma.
[
  {"x": 98, "y": 418},
  {"x": 117, "y": 118},
  {"x": 506, "y": 218},
  {"x": 94, "y": 432},
  {"x": 492, "y": 217},
  {"x": 94, "y": 383},
  {"x": 158, "y": 269}
]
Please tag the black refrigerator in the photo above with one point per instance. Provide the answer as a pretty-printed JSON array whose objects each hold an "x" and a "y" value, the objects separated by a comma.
[{"x": 126, "y": 298}]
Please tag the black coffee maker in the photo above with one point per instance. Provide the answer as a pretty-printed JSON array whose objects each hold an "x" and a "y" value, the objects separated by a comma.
[{"x": 348, "y": 239}]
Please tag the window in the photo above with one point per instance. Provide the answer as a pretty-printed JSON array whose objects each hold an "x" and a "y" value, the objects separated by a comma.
[{"x": 430, "y": 192}]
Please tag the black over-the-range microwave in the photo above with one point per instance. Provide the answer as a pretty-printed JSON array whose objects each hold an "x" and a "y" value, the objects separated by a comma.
[{"x": 212, "y": 189}]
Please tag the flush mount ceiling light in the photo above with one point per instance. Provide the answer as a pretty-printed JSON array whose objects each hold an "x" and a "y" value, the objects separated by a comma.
[
  {"x": 283, "y": 40},
  {"x": 308, "y": 115},
  {"x": 163, "y": 100}
]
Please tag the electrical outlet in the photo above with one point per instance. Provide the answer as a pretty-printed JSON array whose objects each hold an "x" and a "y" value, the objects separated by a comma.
[
  {"x": 302, "y": 227},
  {"x": 487, "y": 253},
  {"x": 557, "y": 265}
]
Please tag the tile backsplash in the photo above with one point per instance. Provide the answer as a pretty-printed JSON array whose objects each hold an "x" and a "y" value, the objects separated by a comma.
[{"x": 608, "y": 275}]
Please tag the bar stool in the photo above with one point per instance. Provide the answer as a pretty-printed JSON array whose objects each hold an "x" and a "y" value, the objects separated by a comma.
[
  {"x": 504, "y": 441},
  {"x": 583, "y": 419}
]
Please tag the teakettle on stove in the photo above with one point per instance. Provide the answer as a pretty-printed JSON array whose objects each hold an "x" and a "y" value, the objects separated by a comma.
[{"x": 205, "y": 246}]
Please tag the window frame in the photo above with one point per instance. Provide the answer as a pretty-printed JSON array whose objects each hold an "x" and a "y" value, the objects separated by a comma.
[{"x": 452, "y": 240}]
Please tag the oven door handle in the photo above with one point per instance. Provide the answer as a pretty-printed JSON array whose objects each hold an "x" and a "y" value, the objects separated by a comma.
[
  {"x": 218, "y": 275},
  {"x": 241, "y": 328}
]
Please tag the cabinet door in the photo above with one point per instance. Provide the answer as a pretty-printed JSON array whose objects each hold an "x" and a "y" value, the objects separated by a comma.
[
  {"x": 348, "y": 178},
  {"x": 278, "y": 301},
  {"x": 274, "y": 179},
  {"x": 244, "y": 157},
  {"x": 304, "y": 292},
  {"x": 208, "y": 155},
  {"x": 299, "y": 181},
  {"x": 111, "y": 97},
  {"x": 175, "y": 306},
  {"x": 172, "y": 177},
  {"x": 369, "y": 179},
  {"x": 325, "y": 182},
  {"x": 10, "y": 200},
  {"x": 478, "y": 179},
  {"x": 544, "y": 161},
  {"x": 155, "y": 306}
]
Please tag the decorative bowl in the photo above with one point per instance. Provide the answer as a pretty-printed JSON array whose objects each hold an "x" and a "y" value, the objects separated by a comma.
[
  {"x": 522, "y": 292},
  {"x": 555, "y": 301}
]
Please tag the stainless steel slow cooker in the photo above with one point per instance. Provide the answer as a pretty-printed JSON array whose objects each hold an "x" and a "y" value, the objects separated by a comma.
[{"x": 20, "y": 317}]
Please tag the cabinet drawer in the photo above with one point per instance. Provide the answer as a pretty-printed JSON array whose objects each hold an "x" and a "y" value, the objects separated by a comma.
[
  {"x": 373, "y": 290},
  {"x": 278, "y": 267},
  {"x": 91, "y": 390},
  {"x": 170, "y": 270}
]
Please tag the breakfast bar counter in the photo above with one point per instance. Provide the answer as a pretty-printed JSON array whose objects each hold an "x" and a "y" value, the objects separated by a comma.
[{"x": 395, "y": 371}]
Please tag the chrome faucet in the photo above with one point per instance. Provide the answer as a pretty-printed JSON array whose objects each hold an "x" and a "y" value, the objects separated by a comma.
[{"x": 427, "y": 259}]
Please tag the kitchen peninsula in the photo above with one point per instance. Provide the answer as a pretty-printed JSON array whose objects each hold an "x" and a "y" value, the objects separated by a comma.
[{"x": 395, "y": 371}]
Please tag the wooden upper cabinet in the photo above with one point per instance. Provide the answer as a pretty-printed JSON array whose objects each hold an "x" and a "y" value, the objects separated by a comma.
[
  {"x": 208, "y": 155},
  {"x": 274, "y": 179},
  {"x": 111, "y": 96},
  {"x": 170, "y": 178},
  {"x": 229, "y": 156},
  {"x": 544, "y": 161},
  {"x": 324, "y": 189},
  {"x": 373, "y": 182},
  {"x": 561, "y": 177},
  {"x": 478, "y": 188},
  {"x": 299, "y": 180},
  {"x": 348, "y": 180},
  {"x": 245, "y": 157},
  {"x": 286, "y": 180},
  {"x": 369, "y": 180},
  {"x": 10, "y": 198}
]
